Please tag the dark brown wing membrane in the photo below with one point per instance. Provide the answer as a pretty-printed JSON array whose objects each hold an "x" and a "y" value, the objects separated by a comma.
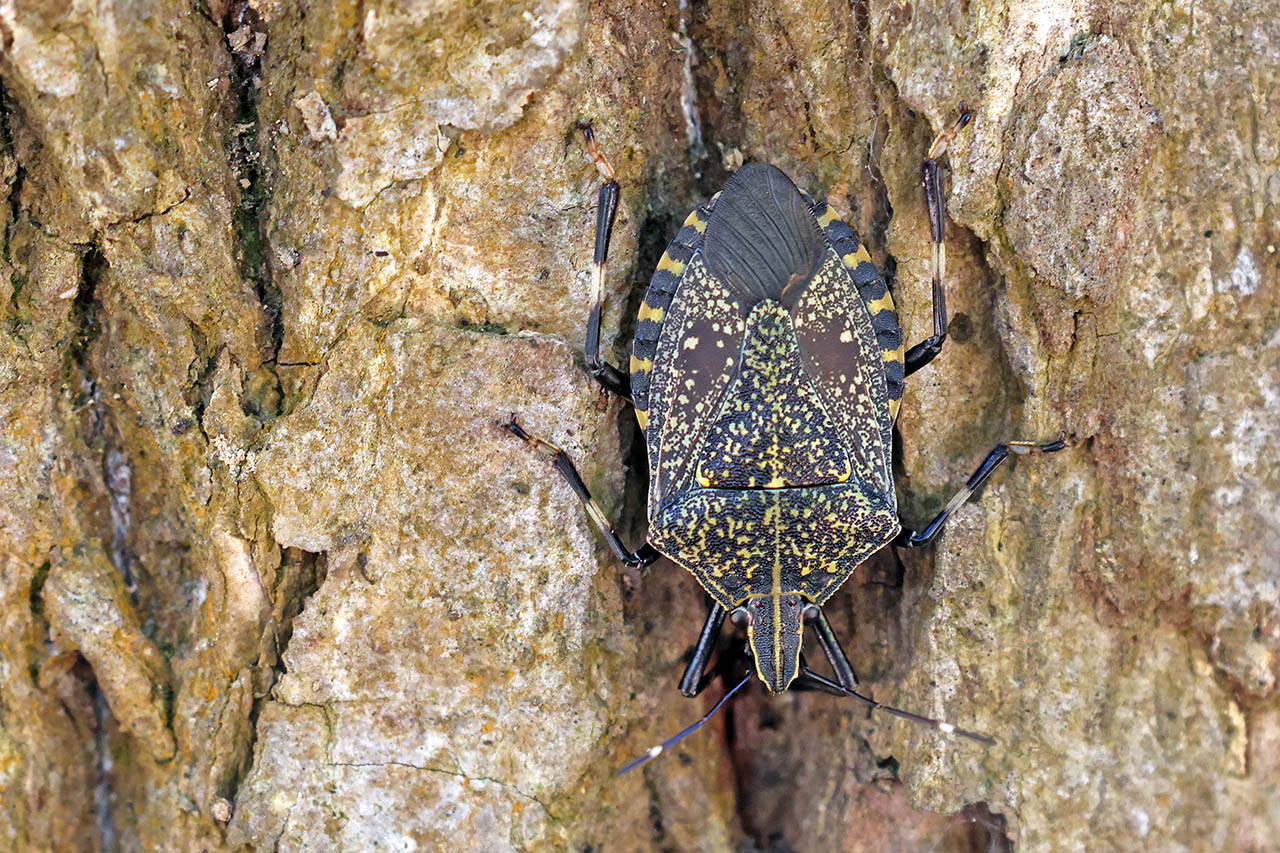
[{"x": 763, "y": 241}]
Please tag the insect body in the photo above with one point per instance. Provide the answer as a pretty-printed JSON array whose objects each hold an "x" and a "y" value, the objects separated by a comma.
[
  {"x": 766, "y": 376},
  {"x": 766, "y": 372}
]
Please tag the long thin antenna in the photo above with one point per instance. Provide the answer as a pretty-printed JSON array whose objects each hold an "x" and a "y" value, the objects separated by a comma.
[
  {"x": 941, "y": 726},
  {"x": 655, "y": 751}
]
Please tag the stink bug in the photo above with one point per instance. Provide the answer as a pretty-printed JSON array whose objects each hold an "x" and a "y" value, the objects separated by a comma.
[{"x": 766, "y": 372}]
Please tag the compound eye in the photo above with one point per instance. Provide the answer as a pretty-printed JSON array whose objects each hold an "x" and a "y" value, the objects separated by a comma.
[
  {"x": 740, "y": 617},
  {"x": 810, "y": 613}
]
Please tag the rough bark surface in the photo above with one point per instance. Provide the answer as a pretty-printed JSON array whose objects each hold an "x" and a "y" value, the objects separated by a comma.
[{"x": 271, "y": 578}]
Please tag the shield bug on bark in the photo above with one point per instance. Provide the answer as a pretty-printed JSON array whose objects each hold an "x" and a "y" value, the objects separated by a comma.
[{"x": 766, "y": 373}]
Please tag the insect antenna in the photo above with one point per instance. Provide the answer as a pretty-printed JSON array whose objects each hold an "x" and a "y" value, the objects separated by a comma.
[
  {"x": 942, "y": 726},
  {"x": 654, "y": 751}
]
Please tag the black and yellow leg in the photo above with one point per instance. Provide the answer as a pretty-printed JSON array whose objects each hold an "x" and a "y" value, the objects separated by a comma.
[
  {"x": 695, "y": 680},
  {"x": 610, "y": 378},
  {"x": 643, "y": 556},
  {"x": 912, "y": 539},
  {"x": 931, "y": 176}
]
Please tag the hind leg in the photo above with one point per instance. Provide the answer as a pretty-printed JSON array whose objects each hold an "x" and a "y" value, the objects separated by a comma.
[
  {"x": 610, "y": 378},
  {"x": 931, "y": 176}
]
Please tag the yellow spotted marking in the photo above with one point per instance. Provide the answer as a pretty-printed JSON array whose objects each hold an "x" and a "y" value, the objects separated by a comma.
[
  {"x": 827, "y": 218},
  {"x": 856, "y": 258},
  {"x": 638, "y": 366},
  {"x": 884, "y": 303},
  {"x": 893, "y": 409},
  {"x": 699, "y": 224},
  {"x": 642, "y": 418},
  {"x": 649, "y": 313},
  {"x": 774, "y": 514},
  {"x": 776, "y": 483},
  {"x": 893, "y": 354},
  {"x": 670, "y": 264}
]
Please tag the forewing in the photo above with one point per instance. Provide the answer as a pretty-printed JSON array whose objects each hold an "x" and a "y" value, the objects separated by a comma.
[
  {"x": 840, "y": 353},
  {"x": 657, "y": 302},
  {"x": 696, "y": 359},
  {"x": 875, "y": 296}
]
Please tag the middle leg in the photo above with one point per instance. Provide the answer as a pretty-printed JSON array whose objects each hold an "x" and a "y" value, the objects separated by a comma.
[
  {"x": 643, "y": 556},
  {"x": 912, "y": 539}
]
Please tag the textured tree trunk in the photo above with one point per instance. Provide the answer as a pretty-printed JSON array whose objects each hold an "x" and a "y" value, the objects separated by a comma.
[{"x": 271, "y": 577}]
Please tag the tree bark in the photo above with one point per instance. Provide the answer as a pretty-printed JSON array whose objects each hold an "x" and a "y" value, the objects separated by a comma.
[{"x": 272, "y": 578}]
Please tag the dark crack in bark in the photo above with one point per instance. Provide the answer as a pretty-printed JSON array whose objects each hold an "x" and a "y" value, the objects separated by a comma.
[{"x": 246, "y": 35}]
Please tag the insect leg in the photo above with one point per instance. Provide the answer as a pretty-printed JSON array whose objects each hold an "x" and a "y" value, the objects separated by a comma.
[
  {"x": 643, "y": 556},
  {"x": 931, "y": 177},
  {"x": 610, "y": 378},
  {"x": 912, "y": 539},
  {"x": 831, "y": 648},
  {"x": 694, "y": 681},
  {"x": 808, "y": 680}
]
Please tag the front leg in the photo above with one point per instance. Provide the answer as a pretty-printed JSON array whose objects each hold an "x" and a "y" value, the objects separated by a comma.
[
  {"x": 831, "y": 648},
  {"x": 694, "y": 681}
]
